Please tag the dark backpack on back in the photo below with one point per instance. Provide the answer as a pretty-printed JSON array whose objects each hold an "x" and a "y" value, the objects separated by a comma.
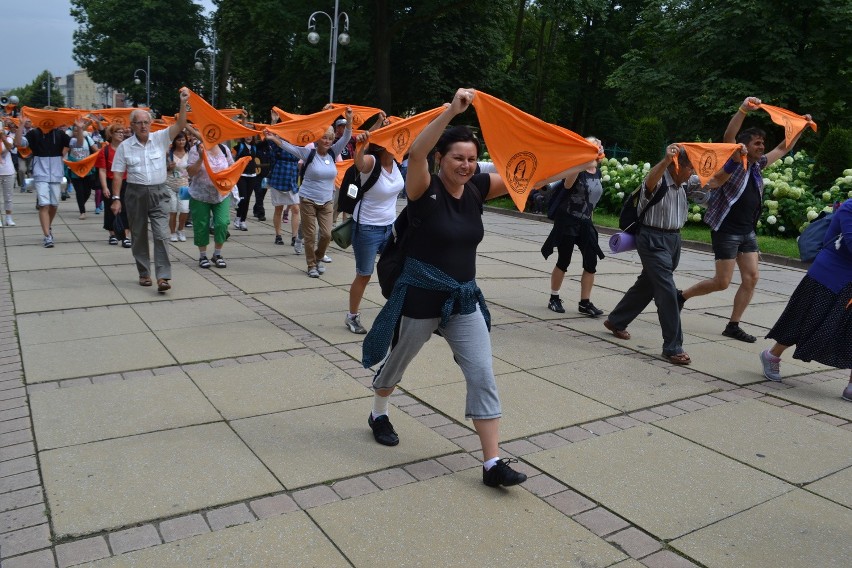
[
  {"x": 309, "y": 159},
  {"x": 811, "y": 239},
  {"x": 351, "y": 188},
  {"x": 629, "y": 220},
  {"x": 557, "y": 195}
]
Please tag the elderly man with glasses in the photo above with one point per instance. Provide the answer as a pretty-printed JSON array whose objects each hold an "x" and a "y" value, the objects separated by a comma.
[{"x": 147, "y": 198}]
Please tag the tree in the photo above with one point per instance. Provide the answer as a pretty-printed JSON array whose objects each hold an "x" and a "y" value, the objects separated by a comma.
[
  {"x": 35, "y": 94},
  {"x": 115, "y": 38}
]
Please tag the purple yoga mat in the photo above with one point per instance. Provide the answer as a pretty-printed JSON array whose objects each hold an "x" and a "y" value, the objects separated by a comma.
[{"x": 622, "y": 242}]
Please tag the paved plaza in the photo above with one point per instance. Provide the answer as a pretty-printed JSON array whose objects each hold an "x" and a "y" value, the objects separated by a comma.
[{"x": 224, "y": 423}]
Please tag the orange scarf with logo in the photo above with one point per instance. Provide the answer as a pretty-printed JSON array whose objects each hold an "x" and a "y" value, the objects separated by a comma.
[
  {"x": 226, "y": 179},
  {"x": 793, "y": 123},
  {"x": 396, "y": 138},
  {"x": 82, "y": 167},
  {"x": 360, "y": 114},
  {"x": 213, "y": 125},
  {"x": 707, "y": 159},
  {"x": 301, "y": 130},
  {"x": 118, "y": 116},
  {"x": 525, "y": 149},
  {"x": 47, "y": 120}
]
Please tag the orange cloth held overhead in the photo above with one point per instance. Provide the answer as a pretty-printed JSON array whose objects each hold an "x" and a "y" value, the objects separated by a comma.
[
  {"x": 526, "y": 149},
  {"x": 284, "y": 116},
  {"x": 301, "y": 130},
  {"x": 213, "y": 125},
  {"x": 82, "y": 167},
  {"x": 47, "y": 120},
  {"x": 360, "y": 114},
  {"x": 793, "y": 123},
  {"x": 226, "y": 179},
  {"x": 707, "y": 159},
  {"x": 118, "y": 116},
  {"x": 342, "y": 166},
  {"x": 396, "y": 138},
  {"x": 232, "y": 112},
  {"x": 159, "y": 124}
]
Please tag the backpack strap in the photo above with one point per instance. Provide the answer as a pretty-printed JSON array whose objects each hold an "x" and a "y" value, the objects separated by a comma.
[
  {"x": 307, "y": 163},
  {"x": 656, "y": 198}
]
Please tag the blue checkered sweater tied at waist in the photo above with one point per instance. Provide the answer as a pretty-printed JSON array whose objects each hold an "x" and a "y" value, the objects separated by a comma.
[{"x": 420, "y": 275}]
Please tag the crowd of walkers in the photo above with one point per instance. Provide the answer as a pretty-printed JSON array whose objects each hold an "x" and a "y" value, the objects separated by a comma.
[{"x": 161, "y": 180}]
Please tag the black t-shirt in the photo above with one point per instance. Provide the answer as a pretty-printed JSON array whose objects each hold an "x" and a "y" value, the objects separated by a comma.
[
  {"x": 741, "y": 219},
  {"x": 447, "y": 238},
  {"x": 47, "y": 145}
]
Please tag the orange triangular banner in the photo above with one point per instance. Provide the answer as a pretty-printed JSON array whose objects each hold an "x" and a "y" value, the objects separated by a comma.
[
  {"x": 160, "y": 124},
  {"x": 47, "y": 120},
  {"x": 225, "y": 180},
  {"x": 342, "y": 166},
  {"x": 213, "y": 125},
  {"x": 24, "y": 151},
  {"x": 232, "y": 112},
  {"x": 793, "y": 123},
  {"x": 284, "y": 116},
  {"x": 396, "y": 138},
  {"x": 525, "y": 149},
  {"x": 301, "y": 130},
  {"x": 707, "y": 159},
  {"x": 119, "y": 116},
  {"x": 360, "y": 114},
  {"x": 82, "y": 167}
]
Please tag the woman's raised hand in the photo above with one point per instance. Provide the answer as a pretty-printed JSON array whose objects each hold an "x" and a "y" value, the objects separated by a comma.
[{"x": 462, "y": 100}]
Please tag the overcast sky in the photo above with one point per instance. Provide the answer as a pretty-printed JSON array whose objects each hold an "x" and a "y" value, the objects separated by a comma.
[{"x": 37, "y": 36}]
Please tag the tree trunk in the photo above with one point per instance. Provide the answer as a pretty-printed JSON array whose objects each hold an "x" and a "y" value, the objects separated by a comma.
[
  {"x": 381, "y": 54},
  {"x": 519, "y": 29}
]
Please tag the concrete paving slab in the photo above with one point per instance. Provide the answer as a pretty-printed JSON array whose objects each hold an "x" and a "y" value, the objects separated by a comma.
[
  {"x": 530, "y": 405},
  {"x": 255, "y": 265},
  {"x": 82, "y": 358},
  {"x": 463, "y": 518},
  {"x": 643, "y": 334},
  {"x": 486, "y": 270},
  {"x": 500, "y": 315},
  {"x": 52, "y": 327},
  {"x": 330, "y": 326},
  {"x": 308, "y": 302},
  {"x": 329, "y": 442},
  {"x": 154, "y": 475},
  {"x": 186, "y": 283},
  {"x": 835, "y": 487},
  {"x": 275, "y": 386},
  {"x": 795, "y": 448},
  {"x": 525, "y": 259},
  {"x": 824, "y": 397},
  {"x": 257, "y": 283},
  {"x": 536, "y": 346},
  {"x": 494, "y": 243},
  {"x": 113, "y": 257},
  {"x": 293, "y": 539},
  {"x": 764, "y": 317},
  {"x": 796, "y": 529},
  {"x": 761, "y": 344},
  {"x": 65, "y": 417},
  {"x": 658, "y": 481},
  {"x": 218, "y": 341},
  {"x": 52, "y": 299},
  {"x": 195, "y": 312},
  {"x": 623, "y": 382},
  {"x": 63, "y": 255},
  {"x": 64, "y": 278}
]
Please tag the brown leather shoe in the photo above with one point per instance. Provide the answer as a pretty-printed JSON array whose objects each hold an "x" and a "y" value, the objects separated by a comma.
[
  {"x": 163, "y": 285},
  {"x": 678, "y": 358},
  {"x": 619, "y": 333},
  {"x": 144, "y": 280}
]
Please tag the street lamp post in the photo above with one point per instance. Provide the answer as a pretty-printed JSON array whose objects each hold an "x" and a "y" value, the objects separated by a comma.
[
  {"x": 147, "y": 81},
  {"x": 211, "y": 53},
  {"x": 342, "y": 38},
  {"x": 48, "y": 84}
]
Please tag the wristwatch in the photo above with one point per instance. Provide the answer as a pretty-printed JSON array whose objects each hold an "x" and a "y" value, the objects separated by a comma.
[{"x": 116, "y": 198}]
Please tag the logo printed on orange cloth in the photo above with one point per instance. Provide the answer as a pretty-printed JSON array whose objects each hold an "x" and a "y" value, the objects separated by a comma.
[
  {"x": 226, "y": 179},
  {"x": 396, "y": 138},
  {"x": 117, "y": 116},
  {"x": 301, "y": 130},
  {"x": 526, "y": 149},
  {"x": 82, "y": 167},
  {"x": 212, "y": 124},
  {"x": 707, "y": 159},
  {"x": 360, "y": 114},
  {"x": 47, "y": 120},
  {"x": 793, "y": 123}
]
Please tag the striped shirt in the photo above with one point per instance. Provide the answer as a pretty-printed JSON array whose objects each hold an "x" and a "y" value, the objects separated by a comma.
[{"x": 669, "y": 214}]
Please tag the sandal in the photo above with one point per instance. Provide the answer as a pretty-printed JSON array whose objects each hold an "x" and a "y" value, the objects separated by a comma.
[
  {"x": 203, "y": 262},
  {"x": 126, "y": 243},
  {"x": 144, "y": 280},
  {"x": 113, "y": 241},
  {"x": 163, "y": 285},
  {"x": 678, "y": 359},
  {"x": 619, "y": 333},
  {"x": 738, "y": 333},
  {"x": 219, "y": 261}
]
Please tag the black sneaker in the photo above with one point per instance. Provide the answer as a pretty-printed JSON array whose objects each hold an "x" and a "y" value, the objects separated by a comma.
[
  {"x": 736, "y": 332},
  {"x": 502, "y": 474},
  {"x": 279, "y": 240},
  {"x": 589, "y": 309},
  {"x": 555, "y": 305},
  {"x": 383, "y": 432}
]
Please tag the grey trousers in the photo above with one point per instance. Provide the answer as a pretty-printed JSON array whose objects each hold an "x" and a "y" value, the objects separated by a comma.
[
  {"x": 660, "y": 254},
  {"x": 468, "y": 338},
  {"x": 149, "y": 203}
]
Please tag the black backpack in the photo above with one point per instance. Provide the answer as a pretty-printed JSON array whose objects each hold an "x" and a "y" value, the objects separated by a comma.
[
  {"x": 557, "y": 195},
  {"x": 351, "y": 188},
  {"x": 310, "y": 159},
  {"x": 811, "y": 240},
  {"x": 629, "y": 220}
]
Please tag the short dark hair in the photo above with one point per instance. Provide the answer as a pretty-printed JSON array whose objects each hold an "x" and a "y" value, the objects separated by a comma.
[
  {"x": 457, "y": 134},
  {"x": 747, "y": 135}
]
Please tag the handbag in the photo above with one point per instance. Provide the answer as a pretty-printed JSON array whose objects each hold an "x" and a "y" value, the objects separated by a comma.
[{"x": 342, "y": 234}]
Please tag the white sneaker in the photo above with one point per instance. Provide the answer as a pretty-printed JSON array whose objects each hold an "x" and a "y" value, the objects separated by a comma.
[
  {"x": 320, "y": 268},
  {"x": 181, "y": 236},
  {"x": 326, "y": 259},
  {"x": 237, "y": 224},
  {"x": 9, "y": 222},
  {"x": 299, "y": 246},
  {"x": 243, "y": 226},
  {"x": 173, "y": 238}
]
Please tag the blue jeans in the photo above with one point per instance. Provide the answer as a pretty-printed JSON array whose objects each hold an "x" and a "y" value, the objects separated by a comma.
[{"x": 367, "y": 242}]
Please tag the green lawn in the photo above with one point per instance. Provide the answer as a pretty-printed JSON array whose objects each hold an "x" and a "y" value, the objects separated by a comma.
[{"x": 691, "y": 232}]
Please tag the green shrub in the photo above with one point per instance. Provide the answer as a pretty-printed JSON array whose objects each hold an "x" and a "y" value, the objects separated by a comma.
[
  {"x": 649, "y": 141},
  {"x": 834, "y": 156}
]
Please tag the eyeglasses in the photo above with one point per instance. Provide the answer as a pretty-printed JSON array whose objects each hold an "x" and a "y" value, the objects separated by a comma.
[{"x": 140, "y": 123}]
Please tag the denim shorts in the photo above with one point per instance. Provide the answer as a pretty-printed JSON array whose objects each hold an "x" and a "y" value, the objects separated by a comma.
[
  {"x": 367, "y": 242},
  {"x": 727, "y": 246}
]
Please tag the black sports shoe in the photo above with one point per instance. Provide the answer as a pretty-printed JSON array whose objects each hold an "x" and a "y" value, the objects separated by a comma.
[
  {"x": 736, "y": 332},
  {"x": 555, "y": 305},
  {"x": 383, "y": 431},
  {"x": 279, "y": 240},
  {"x": 589, "y": 309},
  {"x": 502, "y": 474}
]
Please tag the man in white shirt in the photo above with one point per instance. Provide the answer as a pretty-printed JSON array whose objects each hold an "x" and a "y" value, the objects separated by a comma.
[{"x": 148, "y": 198}]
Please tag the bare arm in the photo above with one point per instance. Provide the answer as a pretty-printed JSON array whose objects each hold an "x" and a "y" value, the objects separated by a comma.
[
  {"x": 180, "y": 124},
  {"x": 656, "y": 173},
  {"x": 750, "y": 103}
]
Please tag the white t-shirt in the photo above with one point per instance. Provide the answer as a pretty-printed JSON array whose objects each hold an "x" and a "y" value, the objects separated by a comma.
[
  {"x": 7, "y": 167},
  {"x": 378, "y": 206}
]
